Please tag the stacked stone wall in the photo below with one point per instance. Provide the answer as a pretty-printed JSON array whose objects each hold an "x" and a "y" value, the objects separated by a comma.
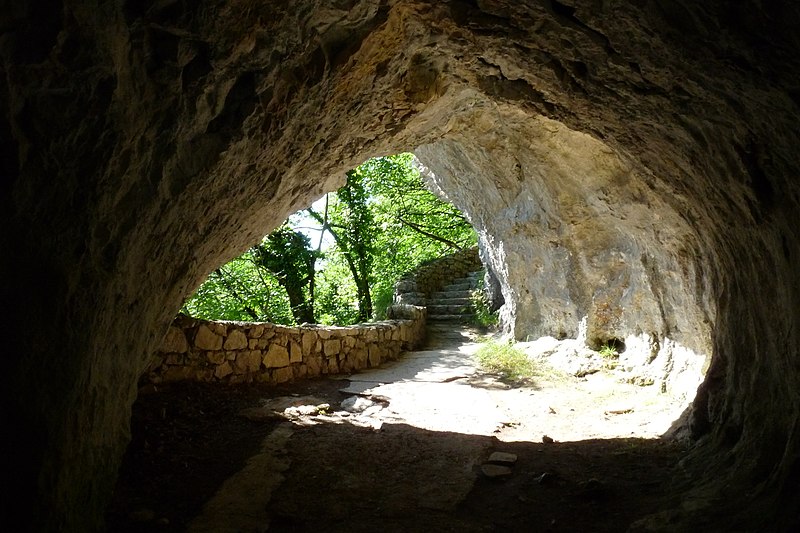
[
  {"x": 238, "y": 352},
  {"x": 417, "y": 287}
]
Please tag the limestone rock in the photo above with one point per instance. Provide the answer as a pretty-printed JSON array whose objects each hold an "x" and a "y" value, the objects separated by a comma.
[
  {"x": 332, "y": 347},
  {"x": 236, "y": 340},
  {"x": 356, "y": 404},
  {"x": 295, "y": 352},
  {"x": 205, "y": 339},
  {"x": 495, "y": 471},
  {"x": 216, "y": 358},
  {"x": 247, "y": 362},
  {"x": 277, "y": 356},
  {"x": 223, "y": 370},
  {"x": 503, "y": 458},
  {"x": 309, "y": 341},
  {"x": 175, "y": 341}
]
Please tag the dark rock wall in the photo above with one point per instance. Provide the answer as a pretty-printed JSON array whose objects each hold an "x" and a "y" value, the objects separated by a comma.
[{"x": 140, "y": 147}]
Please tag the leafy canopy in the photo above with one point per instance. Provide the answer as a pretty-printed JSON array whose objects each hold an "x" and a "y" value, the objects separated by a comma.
[{"x": 383, "y": 224}]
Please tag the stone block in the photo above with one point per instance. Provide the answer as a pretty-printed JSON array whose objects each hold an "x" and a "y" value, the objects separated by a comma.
[
  {"x": 313, "y": 365},
  {"x": 295, "y": 352},
  {"x": 177, "y": 373},
  {"x": 309, "y": 342},
  {"x": 333, "y": 366},
  {"x": 280, "y": 339},
  {"x": 216, "y": 358},
  {"x": 247, "y": 362},
  {"x": 236, "y": 340},
  {"x": 324, "y": 334},
  {"x": 269, "y": 332},
  {"x": 218, "y": 328},
  {"x": 223, "y": 370},
  {"x": 262, "y": 343},
  {"x": 173, "y": 359},
  {"x": 332, "y": 347},
  {"x": 277, "y": 356},
  {"x": 205, "y": 339},
  {"x": 376, "y": 355},
  {"x": 282, "y": 375},
  {"x": 252, "y": 344},
  {"x": 175, "y": 341},
  {"x": 349, "y": 341},
  {"x": 359, "y": 357},
  {"x": 256, "y": 331},
  {"x": 203, "y": 374}
]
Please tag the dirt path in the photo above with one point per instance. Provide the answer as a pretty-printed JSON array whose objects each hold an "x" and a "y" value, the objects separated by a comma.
[{"x": 410, "y": 449}]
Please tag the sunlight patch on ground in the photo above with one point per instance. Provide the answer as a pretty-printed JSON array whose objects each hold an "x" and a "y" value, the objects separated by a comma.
[{"x": 443, "y": 390}]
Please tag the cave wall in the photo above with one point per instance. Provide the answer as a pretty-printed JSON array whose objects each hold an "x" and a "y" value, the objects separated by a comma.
[{"x": 142, "y": 146}]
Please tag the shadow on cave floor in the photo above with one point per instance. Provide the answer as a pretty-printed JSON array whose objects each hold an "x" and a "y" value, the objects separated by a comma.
[
  {"x": 407, "y": 453},
  {"x": 188, "y": 439}
]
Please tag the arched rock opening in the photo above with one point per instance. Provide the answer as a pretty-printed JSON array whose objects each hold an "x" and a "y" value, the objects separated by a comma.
[{"x": 141, "y": 147}]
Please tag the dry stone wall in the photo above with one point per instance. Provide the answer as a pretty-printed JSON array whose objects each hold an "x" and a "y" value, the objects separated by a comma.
[
  {"x": 417, "y": 287},
  {"x": 237, "y": 352}
]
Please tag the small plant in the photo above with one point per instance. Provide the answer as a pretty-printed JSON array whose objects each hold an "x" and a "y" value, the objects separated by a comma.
[
  {"x": 608, "y": 351},
  {"x": 484, "y": 316},
  {"x": 505, "y": 359}
]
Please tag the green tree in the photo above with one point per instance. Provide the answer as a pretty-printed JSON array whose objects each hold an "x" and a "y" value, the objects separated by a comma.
[
  {"x": 352, "y": 226},
  {"x": 415, "y": 225},
  {"x": 286, "y": 254},
  {"x": 383, "y": 222},
  {"x": 240, "y": 290}
]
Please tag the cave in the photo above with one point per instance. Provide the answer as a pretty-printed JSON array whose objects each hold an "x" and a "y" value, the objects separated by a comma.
[{"x": 627, "y": 162}]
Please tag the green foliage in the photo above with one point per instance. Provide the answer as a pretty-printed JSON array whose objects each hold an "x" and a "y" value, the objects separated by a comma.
[
  {"x": 484, "y": 316},
  {"x": 505, "y": 359},
  {"x": 608, "y": 351},
  {"x": 415, "y": 225},
  {"x": 337, "y": 296},
  {"x": 286, "y": 254},
  {"x": 240, "y": 291},
  {"x": 384, "y": 223}
]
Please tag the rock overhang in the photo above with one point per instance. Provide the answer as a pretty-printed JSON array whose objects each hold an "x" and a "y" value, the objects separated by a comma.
[{"x": 184, "y": 133}]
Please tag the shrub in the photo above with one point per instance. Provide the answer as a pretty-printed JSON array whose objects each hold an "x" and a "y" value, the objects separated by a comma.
[
  {"x": 505, "y": 359},
  {"x": 484, "y": 316}
]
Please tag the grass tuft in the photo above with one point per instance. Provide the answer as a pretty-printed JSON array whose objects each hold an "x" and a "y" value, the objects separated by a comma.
[
  {"x": 506, "y": 360},
  {"x": 608, "y": 352}
]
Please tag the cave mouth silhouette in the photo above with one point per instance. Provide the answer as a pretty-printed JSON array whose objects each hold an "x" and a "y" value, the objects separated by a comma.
[{"x": 144, "y": 145}]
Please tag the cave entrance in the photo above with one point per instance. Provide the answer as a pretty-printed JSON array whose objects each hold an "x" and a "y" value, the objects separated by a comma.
[
  {"x": 337, "y": 261},
  {"x": 593, "y": 397}
]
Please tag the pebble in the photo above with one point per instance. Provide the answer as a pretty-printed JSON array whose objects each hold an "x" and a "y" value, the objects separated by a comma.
[{"x": 547, "y": 440}]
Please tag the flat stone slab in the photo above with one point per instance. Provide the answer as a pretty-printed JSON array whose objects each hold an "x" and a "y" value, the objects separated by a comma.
[
  {"x": 495, "y": 471},
  {"x": 503, "y": 458}
]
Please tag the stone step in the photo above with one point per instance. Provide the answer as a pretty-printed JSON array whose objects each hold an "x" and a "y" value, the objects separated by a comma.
[
  {"x": 436, "y": 309},
  {"x": 449, "y": 318},
  {"x": 458, "y": 286},
  {"x": 445, "y": 295},
  {"x": 450, "y": 301}
]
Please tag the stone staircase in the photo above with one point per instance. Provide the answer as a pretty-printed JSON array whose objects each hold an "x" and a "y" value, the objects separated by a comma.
[{"x": 452, "y": 303}]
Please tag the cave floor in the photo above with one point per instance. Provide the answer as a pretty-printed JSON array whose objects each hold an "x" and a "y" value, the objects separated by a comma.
[{"x": 412, "y": 452}]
